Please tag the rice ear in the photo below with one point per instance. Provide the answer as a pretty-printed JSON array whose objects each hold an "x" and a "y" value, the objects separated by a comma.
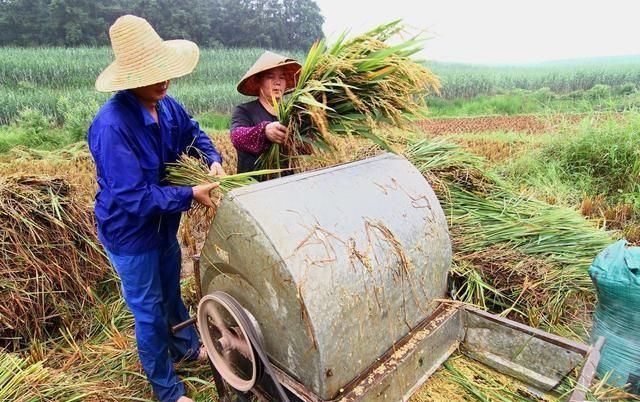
[{"x": 352, "y": 86}]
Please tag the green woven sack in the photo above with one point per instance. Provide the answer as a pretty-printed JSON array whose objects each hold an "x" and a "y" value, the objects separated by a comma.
[{"x": 616, "y": 274}]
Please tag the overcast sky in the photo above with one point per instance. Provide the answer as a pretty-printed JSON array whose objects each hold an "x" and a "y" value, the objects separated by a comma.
[{"x": 501, "y": 31}]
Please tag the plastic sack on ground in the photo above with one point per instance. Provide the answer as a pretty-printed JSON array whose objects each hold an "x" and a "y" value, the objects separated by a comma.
[{"x": 615, "y": 273}]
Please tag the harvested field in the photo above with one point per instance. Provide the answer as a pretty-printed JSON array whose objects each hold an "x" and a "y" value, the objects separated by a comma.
[
  {"x": 531, "y": 124},
  {"x": 494, "y": 151},
  {"x": 527, "y": 124}
]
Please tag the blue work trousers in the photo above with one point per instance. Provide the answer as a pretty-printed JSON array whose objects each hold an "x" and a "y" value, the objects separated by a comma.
[{"x": 151, "y": 289}]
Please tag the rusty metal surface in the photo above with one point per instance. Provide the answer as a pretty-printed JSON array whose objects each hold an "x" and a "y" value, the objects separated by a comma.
[
  {"x": 535, "y": 357},
  {"x": 196, "y": 273},
  {"x": 588, "y": 372},
  {"x": 336, "y": 265},
  {"x": 401, "y": 370},
  {"x": 404, "y": 368},
  {"x": 565, "y": 343}
]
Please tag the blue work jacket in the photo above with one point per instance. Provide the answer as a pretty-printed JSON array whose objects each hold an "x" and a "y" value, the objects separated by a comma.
[{"x": 136, "y": 211}]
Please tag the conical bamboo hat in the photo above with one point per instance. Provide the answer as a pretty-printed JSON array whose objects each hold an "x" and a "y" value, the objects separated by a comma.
[{"x": 250, "y": 85}]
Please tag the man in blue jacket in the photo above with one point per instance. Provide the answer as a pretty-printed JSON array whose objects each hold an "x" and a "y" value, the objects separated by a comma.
[{"x": 132, "y": 138}]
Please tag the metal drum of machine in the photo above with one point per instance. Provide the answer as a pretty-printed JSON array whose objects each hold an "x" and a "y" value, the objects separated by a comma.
[{"x": 333, "y": 266}]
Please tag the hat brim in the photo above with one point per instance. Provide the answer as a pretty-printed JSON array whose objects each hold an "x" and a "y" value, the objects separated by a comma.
[
  {"x": 250, "y": 85},
  {"x": 175, "y": 58}
]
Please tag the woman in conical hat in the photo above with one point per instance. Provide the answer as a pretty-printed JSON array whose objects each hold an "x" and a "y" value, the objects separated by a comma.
[
  {"x": 132, "y": 138},
  {"x": 254, "y": 125}
]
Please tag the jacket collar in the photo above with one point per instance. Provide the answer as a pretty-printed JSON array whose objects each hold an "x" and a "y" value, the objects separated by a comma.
[{"x": 146, "y": 117}]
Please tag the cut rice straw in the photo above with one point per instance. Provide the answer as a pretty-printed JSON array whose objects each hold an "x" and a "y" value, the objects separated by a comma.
[
  {"x": 495, "y": 229},
  {"x": 189, "y": 171}
]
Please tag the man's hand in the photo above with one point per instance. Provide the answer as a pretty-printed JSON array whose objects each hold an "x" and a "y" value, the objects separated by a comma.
[
  {"x": 201, "y": 193},
  {"x": 216, "y": 169},
  {"x": 276, "y": 132}
]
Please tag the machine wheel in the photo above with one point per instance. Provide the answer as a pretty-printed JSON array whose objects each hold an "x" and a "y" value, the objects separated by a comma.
[
  {"x": 227, "y": 343},
  {"x": 234, "y": 343}
]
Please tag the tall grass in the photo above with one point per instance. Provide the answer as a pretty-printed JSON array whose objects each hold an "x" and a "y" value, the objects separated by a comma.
[
  {"x": 542, "y": 101},
  {"x": 598, "y": 158}
]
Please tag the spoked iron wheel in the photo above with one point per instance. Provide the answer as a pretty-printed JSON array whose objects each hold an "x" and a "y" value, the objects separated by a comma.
[{"x": 227, "y": 342}]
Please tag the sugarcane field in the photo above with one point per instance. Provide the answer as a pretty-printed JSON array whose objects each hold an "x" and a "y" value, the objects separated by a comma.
[{"x": 307, "y": 201}]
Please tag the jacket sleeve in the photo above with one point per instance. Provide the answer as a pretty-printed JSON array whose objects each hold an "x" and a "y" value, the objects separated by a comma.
[
  {"x": 247, "y": 136},
  {"x": 130, "y": 179},
  {"x": 201, "y": 142}
]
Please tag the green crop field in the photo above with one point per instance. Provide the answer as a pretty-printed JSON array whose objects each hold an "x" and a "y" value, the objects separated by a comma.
[
  {"x": 54, "y": 80},
  {"x": 40, "y": 78},
  {"x": 466, "y": 81}
]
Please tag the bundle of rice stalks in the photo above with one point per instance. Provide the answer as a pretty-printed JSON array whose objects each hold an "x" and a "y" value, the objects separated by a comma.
[
  {"x": 223, "y": 144},
  {"x": 514, "y": 254},
  {"x": 189, "y": 171},
  {"x": 50, "y": 262},
  {"x": 351, "y": 88}
]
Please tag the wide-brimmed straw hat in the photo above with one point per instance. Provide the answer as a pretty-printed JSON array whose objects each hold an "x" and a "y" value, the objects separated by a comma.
[
  {"x": 250, "y": 84},
  {"x": 143, "y": 58}
]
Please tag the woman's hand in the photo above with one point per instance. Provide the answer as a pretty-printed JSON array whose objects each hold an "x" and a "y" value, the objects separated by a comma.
[
  {"x": 276, "y": 132},
  {"x": 216, "y": 169},
  {"x": 201, "y": 193}
]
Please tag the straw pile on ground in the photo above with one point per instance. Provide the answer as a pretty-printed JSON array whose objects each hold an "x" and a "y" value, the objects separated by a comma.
[
  {"x": 103, "y": 367},
  {"x": 50, "y": 262},
  {"x": 72, "y": 162},
  {"x": 462, "y": 379}
]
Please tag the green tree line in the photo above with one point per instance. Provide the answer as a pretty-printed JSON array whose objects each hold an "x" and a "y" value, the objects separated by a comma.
[{"x": 276, "y": 24}]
